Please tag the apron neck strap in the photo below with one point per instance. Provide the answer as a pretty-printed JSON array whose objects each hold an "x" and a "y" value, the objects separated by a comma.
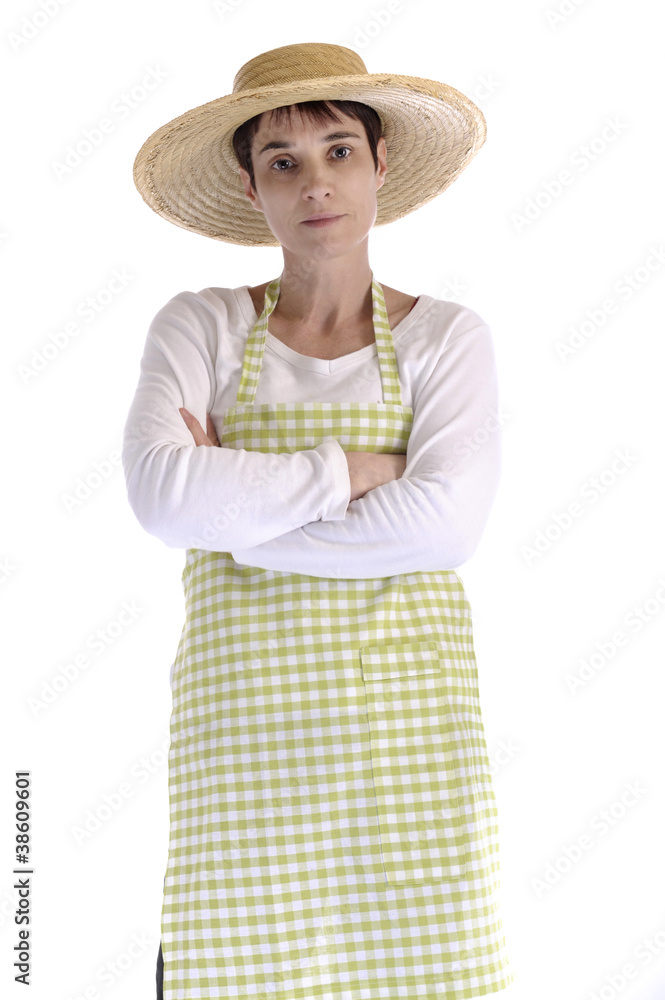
[{"x": 256, "y": 343}]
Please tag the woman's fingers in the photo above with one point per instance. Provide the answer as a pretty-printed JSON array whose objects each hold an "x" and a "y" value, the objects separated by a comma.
[
  {"x": 211, "y": 432},
  {"x": 208, "y": 437},
  {"x": 199, "y": 435}
]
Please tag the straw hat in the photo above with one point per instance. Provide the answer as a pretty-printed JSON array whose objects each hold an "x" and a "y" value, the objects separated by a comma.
[{"x": 188, "y": 173}]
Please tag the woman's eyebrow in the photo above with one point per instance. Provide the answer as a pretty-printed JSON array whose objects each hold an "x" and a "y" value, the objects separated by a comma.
[{"x": 283, "y": 144}]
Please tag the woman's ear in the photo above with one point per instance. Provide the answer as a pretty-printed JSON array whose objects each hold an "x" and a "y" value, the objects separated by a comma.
[
  {"x": 382, "y": 157},
  {"x": 249, "y": 190}
]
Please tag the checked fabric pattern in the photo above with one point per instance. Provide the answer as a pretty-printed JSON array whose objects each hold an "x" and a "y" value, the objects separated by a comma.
[{"x": 333, "y": 828}]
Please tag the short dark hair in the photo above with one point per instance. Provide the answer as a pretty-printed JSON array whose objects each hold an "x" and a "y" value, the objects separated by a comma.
[{"x": 315, "y": 111}]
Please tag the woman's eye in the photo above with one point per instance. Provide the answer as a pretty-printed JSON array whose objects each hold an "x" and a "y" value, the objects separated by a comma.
[{"x": 338, "y": 149}]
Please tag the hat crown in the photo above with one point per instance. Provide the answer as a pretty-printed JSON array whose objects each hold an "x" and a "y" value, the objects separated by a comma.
[{"x": 294, "y": 63}]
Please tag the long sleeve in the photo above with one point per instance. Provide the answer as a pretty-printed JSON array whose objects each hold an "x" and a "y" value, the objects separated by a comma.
[
  {"x": 432, "y": 518},
  {"x": 212, "y": 498}
]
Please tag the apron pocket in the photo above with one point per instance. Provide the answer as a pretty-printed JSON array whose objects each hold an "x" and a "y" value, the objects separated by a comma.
[{"x": 423, "y": 725}]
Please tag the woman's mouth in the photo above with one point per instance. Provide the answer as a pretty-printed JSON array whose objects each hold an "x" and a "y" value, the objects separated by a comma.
[{"x": 324, "y": 220}]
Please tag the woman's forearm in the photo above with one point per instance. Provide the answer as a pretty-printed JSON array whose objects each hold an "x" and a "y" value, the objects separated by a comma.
[
  {"x": 367, "y": 470},
  {"x": 217, "y": 498}
]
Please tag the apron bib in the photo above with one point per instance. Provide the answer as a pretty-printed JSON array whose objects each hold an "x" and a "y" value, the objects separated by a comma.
[{"x": 333, "y": 827}]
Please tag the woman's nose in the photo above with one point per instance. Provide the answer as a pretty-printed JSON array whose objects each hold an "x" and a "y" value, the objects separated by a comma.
[{"x": 316, "y": 181}]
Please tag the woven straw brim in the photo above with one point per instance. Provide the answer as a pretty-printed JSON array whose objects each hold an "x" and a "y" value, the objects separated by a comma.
[{"x": 187, "y": 171}]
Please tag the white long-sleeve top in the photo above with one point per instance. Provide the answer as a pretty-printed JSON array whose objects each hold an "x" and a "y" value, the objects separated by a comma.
[{"x": 431, "y": 518}]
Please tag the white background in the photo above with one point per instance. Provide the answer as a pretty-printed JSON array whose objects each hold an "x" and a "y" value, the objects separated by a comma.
[{"x": 547, "y": 90}]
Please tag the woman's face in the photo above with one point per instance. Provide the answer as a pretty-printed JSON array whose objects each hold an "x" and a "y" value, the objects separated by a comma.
[{"x": 306, "y": 172}]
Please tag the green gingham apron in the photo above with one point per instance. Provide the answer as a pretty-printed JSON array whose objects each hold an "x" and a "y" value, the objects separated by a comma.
[{"x": 333, "y": 828}]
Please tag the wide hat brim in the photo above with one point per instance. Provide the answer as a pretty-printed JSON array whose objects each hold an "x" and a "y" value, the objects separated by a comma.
[{"x": 187, "y": 170}]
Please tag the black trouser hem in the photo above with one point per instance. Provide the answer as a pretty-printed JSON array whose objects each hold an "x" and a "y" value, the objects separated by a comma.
[{"x": 160, "y": 974}]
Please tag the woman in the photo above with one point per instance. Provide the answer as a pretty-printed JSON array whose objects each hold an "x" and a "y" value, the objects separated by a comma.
[{"x": 333, "y": 824}]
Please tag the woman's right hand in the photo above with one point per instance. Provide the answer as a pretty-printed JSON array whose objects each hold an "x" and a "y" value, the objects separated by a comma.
[{"x": 368, "y": 470}]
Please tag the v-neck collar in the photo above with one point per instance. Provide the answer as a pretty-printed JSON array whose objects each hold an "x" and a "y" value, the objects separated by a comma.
[{"x": 324, "y": 365}]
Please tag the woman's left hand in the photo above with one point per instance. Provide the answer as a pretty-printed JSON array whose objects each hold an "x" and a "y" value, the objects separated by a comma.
[{"x": 200, "y": 436}]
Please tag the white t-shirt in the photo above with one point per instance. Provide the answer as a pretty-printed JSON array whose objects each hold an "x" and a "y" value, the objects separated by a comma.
[{"x": 431, "y": 518}]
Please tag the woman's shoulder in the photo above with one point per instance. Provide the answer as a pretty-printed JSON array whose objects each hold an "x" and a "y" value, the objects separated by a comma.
[
  {"x": 206, "y": 316},
  {"x": 428, "y": 311},
  {"x": 398, "y": 304}
]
